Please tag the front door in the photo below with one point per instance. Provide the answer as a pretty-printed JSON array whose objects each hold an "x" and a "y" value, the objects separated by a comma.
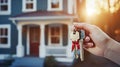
[{"x": 34, "y": 40}]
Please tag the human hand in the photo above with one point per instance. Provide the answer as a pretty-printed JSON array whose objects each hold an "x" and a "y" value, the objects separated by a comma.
[{"x": 96, "y": 40}]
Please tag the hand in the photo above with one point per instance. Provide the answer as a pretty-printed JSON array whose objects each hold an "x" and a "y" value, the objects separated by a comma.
[{"x": 96, "y": 40}]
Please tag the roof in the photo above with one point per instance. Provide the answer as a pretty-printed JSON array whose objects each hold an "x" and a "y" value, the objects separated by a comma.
[{"x": 42, "y": 15}]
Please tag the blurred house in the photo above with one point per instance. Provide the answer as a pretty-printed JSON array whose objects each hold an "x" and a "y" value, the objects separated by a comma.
[{"x": 37, "y": 28}]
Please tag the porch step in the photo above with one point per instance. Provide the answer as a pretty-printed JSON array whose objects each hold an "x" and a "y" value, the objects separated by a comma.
[
  {"x": 28, "y": 62},
  {"x": 62, "y": 59}
]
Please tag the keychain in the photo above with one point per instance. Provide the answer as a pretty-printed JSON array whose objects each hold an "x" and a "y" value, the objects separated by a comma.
[{"x": 77, "y": 43}]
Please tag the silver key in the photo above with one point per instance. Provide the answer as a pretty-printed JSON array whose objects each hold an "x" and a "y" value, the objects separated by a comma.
[{"x": 82, "y": 36}]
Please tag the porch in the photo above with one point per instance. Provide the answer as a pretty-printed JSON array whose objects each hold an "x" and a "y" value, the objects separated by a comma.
[
  {"x": 48, "y": 30},
  {"x": 44, "y": 38}
]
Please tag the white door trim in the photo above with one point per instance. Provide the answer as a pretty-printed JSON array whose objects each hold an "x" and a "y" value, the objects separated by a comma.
[{"x": 28, "y": 41}]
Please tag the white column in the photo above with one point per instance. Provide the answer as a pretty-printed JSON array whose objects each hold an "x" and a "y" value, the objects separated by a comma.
[
  {"x": 75, "y": 6},
  {"x": 42, "y": 51},
  {"x": 69, "y": 53},
  {"x": 28, "y": 41},
  {"x": 20, "y": 47},
  {"x": 70, "y": 6}
]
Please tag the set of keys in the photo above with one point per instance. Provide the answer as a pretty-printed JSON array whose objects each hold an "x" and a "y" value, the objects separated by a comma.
[{"x": 77, "y": 43}]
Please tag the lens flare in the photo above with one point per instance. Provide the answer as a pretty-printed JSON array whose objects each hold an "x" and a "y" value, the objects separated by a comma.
[{"x": 95, "y": 7}]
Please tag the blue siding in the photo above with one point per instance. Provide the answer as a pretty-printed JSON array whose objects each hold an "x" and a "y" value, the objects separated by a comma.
[
  {"x": 42, "y": 4},
  {"x": 16, "y": 8}
]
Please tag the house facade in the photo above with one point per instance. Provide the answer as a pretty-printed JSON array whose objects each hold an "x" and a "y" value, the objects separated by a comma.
[{"x": 37, "y": 28}]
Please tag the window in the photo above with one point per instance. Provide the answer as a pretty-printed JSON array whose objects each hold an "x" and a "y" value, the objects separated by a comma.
[
  {"x": 5, "y": 7},
  {"x": 55, "y": 35},
  {"x": 29, "y": 5},
  {"x": 55, "y": 5},
  {"x": 4, "y": 36}
]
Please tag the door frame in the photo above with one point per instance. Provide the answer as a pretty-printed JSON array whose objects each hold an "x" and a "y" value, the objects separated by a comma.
[{"x": 28, "y": 42}]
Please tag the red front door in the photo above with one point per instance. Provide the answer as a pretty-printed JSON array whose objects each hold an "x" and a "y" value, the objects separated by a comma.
[{"x": 34, "y": 40}]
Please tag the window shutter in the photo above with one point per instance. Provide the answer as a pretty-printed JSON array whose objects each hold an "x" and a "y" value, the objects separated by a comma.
[
  {"x": 46, "y": 35},
  {"x": 65, "y": 35}
]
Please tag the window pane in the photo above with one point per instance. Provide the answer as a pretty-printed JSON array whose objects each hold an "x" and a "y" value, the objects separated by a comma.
[
  {"x": 29, "y": 6},
  {"x": 55, "y": 40},
  {"x": 6, "y": 31},
  {"x": 1, "y": 31},
  {"x": 6, "y": 1},
  {"x": 52, "y": 31},
  {"x": 4, "y": 7},
  {"x": 55, "y": 4},
  {"x": 3, "y": 40},
  {"x": 55, "y": 31},
  {"x": 1, "y": 1}
]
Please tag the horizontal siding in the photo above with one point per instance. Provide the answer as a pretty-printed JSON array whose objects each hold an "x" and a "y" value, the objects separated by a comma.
[
  {"x": 16, "y": 9},
  {"x": 41, "y": 4}
]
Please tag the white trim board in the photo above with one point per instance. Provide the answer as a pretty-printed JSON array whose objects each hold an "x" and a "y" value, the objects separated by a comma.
[
  {"x": 4, "y": 56},
  {"x": 43, "y": 18},
  {"x": 28, "y": 41},
  {"x": 65, "y": 59}
]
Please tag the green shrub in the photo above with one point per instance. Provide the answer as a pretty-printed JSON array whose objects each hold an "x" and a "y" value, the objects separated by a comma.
[{"x": 50, "y": 62}]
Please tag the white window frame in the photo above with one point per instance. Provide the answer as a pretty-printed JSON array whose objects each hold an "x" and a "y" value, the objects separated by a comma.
[
  {"x": 29, "y": 10},
  {"x": 55, "y": 9},
  {"x": 49, "y": 36},
  {"x": 8, "y": 45},
  {"x": 8, "y": 12}
]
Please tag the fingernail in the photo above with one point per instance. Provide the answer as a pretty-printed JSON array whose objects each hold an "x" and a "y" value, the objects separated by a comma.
[{"x": 87, "y": 39}]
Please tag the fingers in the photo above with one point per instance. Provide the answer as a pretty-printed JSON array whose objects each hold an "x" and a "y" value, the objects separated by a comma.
[
  {"x": 87, "y": 39},
  {"x": 89, "y": 45},
  {"x": 87, "y": 27},
  {"x": 82, "y": 26},
  {"x": 88, "y": 42}
]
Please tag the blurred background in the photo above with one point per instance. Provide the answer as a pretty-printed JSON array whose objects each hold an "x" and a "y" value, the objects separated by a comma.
[{"x": 103, "y": 13}]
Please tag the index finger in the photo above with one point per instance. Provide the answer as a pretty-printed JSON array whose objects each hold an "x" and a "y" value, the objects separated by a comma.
[{"x": 88, "y": 27}]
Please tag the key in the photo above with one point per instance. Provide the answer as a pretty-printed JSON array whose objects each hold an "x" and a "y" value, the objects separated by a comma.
[
  {"x": 82, "y": 36},
  {"x": 74, "y": 36}
]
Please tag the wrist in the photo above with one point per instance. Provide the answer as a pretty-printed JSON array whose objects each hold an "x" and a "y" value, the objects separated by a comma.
[
  {"x": 112, "y": 51},
  {"x": 108, "y": 47}
]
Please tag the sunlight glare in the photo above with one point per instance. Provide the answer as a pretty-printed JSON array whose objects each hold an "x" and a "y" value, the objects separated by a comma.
[
  {"x": 95, "y": 7},
  {"x": 91, "y": 8}
]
